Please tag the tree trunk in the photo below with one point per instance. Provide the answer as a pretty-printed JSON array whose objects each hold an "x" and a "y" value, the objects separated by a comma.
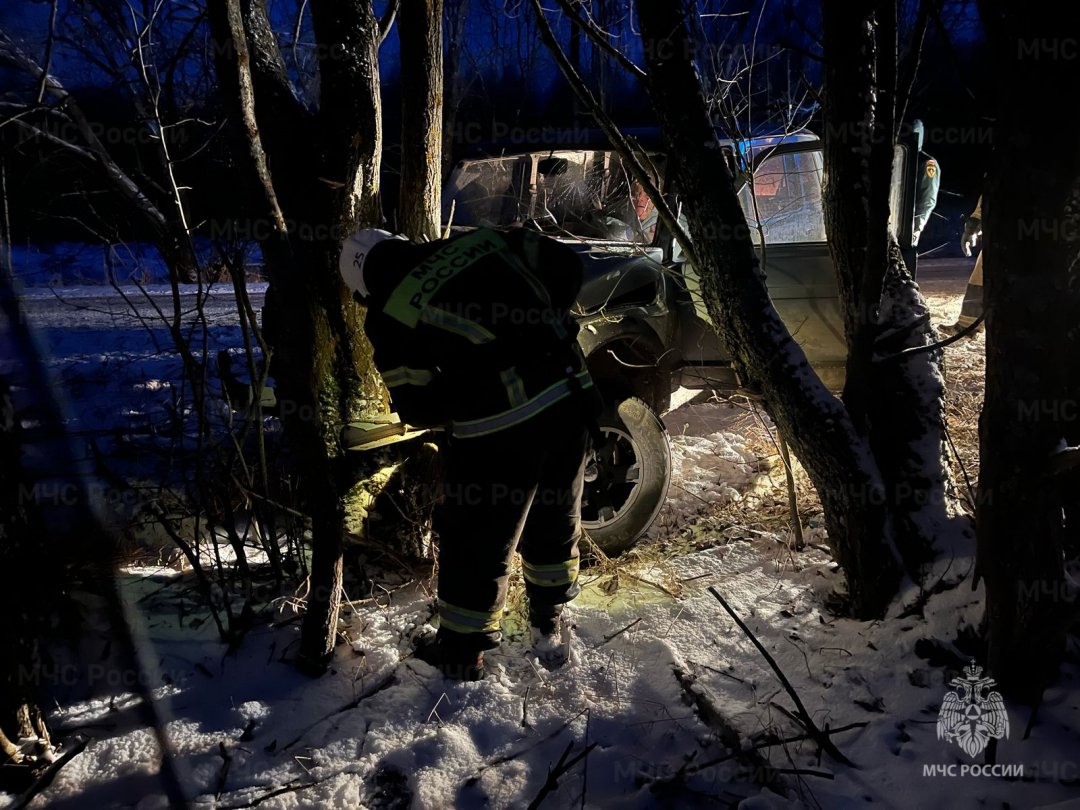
[
  {"x": 321, "y": 362},
  {"x": 896, "y": 404},
  {"x": 814, "y": 422},
  {"x": 453, "y": 78},
  {"x": 1031, "y": 209},
  {"x": 178, "y": 253},
  {"x": 420, "y": 32},
  {"x": 345, "y": 176}
]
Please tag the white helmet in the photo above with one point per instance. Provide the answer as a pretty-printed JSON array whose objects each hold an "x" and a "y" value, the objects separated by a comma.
[{"x": 354, "y": 252}]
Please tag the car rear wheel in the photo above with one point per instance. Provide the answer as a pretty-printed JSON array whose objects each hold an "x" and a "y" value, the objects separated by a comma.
[{"x": 627, "y": 479}]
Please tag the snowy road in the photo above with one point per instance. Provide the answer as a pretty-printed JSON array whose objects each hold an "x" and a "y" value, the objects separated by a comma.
[
  {"x": 114, "y": 363},
  {"x": 102, "y": 307}
]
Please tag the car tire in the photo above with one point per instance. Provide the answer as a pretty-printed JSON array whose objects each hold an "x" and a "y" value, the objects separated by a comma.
[{"x": 626, "y": 482}]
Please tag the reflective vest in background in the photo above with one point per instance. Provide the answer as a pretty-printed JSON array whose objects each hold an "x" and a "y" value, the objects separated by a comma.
[{"x": 926, "y": 192}]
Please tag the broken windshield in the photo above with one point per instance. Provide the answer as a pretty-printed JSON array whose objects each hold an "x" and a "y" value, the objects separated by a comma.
[{"x": 574, "y": 194}]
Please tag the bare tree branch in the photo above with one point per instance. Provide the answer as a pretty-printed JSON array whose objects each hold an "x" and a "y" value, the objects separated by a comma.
[
  {"x": 599, "y": 36},
  {"x": 49, "y": 42},
  {"x": 14, "y": 56},
  {"x": 243, "y": 74},
  {"x": 907, "y": 82},
  {"x": 386, "y": 22},
  {"x": 296, "y": 29}
]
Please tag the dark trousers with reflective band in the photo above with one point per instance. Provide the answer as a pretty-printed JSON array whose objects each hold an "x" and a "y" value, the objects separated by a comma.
[{"x": 519, "y": 488}]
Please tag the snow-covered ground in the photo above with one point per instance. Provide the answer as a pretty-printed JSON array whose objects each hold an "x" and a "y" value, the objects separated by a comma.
[
  {"x": 382, "y": 730},
  {"x": 665, "y": 703}
]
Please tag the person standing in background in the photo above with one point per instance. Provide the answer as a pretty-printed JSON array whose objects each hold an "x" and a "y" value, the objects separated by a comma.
[{"x": 972, "y": 309}]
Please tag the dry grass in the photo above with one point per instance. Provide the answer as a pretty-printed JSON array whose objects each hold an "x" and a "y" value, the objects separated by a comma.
[{"x": 965, "y": 372}]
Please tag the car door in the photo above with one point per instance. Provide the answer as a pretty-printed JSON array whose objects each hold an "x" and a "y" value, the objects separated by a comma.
[{"x": 783, "y": 207}]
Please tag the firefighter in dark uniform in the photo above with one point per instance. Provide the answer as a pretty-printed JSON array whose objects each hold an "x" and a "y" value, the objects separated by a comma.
[{"x": 474, "y": 335}]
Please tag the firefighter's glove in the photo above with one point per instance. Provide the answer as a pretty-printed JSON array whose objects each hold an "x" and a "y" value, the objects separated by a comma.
[{"x": 972, "y": 232}]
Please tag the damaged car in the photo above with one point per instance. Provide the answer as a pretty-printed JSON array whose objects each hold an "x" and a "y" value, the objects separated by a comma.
[{"x": 644, "y": 328}]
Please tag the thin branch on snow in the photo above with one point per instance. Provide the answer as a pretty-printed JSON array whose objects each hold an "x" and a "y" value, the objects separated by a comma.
[
  {"x": 292, "y": 788},
  {"x": 435, "y": 709},
  {"x": 561, "y": 768},
  {"x": 820, "y": 738},
  {"x": 389, "y": 679},
  {"x": 618, "y": 633},
  {"x": 772, "y": 743},
  {"x": 510, "y": 757}
]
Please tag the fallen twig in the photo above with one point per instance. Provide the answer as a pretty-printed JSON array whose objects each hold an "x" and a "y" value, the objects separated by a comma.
[
  {"x": 561, "y": 768},
  {"x": 757, "y": 768},
  {"x": 808, "y": 723},
  {"x": 656, "y": 585},
  {"x": 802, "y": 772},
  {"x": 721, "y": 672},
  {"x": 508, "y": 757},
  {"x": 617, "y": 633},
  {"x": 386, "y": 681},
  {"x": 293, "y": 788},
  {"x": 435, "y": 709},
  {"x": 770, "y": 743}
]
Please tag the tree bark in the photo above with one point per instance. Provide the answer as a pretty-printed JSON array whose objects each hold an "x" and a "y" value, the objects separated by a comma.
[
  {"x": 293, "y": 331},
  {"x": 420, "y": 33},
  {"x": 1031, "y": 209},
  {"x": 345, "y": 173}
]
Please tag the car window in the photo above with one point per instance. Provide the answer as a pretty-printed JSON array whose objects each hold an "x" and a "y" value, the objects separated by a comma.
[
  {"x": 486, "y": 193},
  {"x": 579, "y": 194},
  {"x": 784, "y": 200}
]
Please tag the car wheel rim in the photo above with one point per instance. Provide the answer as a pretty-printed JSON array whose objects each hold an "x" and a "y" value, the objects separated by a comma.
[{"x": 612, "y": 479}]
